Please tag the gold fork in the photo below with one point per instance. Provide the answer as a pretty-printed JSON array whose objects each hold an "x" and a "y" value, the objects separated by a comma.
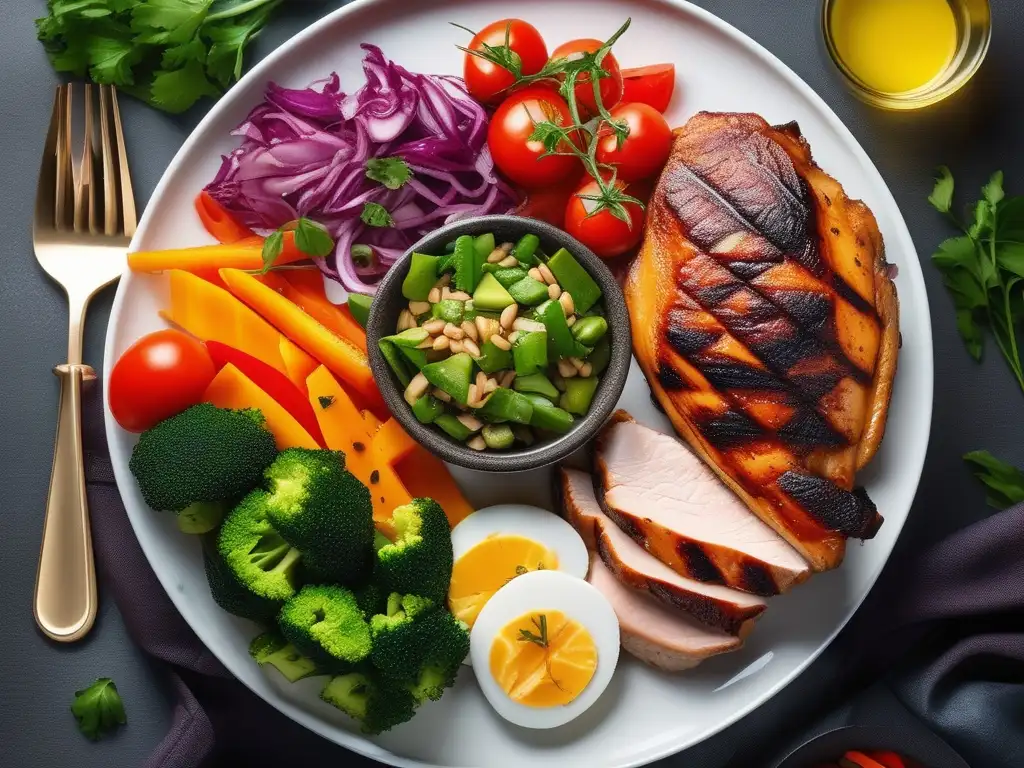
[{"x": 81, "y": 242}]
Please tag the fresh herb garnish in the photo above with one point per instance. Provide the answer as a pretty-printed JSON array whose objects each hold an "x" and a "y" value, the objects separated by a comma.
[
  {"x": 1005, "y": 482},
  {"x": 392, "y": 172},
  {"x": 326, "y": 401},
  {"x": 984, "y": 267},
  {"x": 310, "y": 238},
  {"x": 362, "y": 255},
  {"x": 98, "y": 708},
  {"x": 541, "y": 636},
  {"x": 376, "y": 215},
  {"x": 566, "y": 139},
  {"x": 169, "y": 53}
]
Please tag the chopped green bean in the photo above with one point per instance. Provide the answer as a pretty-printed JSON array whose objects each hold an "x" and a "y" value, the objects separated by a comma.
[
  {"x": 451, "y": 375},
  {"x": 574, "y": 279},
  {"x": 421, "y": 277},
  {"x": 449, "y": 310},
  {"x": 507, "y": 405},
  {"x": 493, "y": 358},
  {"x": 538, "y": 383},
  {"x": 498, "y": 436},
  {"x": 509, "y": 276},
  {"x": 547, "y": 416},
  {"x": 530, "y": 352},
  {"x": 359, "y": 306},
  {"x": 525, "y": 250},
  {"x": 528, "y": 292},
  {"x": 600, "y": 356},
  {"x": 427, "y": 409},
  {"x": 590, "y": 330},
  {"x": 467, "y": 268},
  {"x": 579, "y": 393},
  {"x": 455, "y": 428}
]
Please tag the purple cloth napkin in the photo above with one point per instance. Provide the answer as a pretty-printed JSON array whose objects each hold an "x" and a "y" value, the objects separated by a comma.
[{"x": 957, "y": 609}]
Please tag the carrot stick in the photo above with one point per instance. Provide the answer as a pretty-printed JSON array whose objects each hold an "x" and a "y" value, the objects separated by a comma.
[
  {"x": 244, "y": 254},
  {"x": 219, "y": 222}
]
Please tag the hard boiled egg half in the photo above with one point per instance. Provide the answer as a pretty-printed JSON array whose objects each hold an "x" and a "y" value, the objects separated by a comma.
[
  {"x": 544, "y": 648},
  {"x": 497, "y": 544}
]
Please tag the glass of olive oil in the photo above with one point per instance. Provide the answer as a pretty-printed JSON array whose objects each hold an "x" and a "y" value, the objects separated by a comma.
[{"x": 905, "y": 54}]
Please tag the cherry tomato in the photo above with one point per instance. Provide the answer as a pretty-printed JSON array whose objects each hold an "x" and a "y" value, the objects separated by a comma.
[
  {"x": 611, "y": 85},
  {"x": 548, "y": 203},
  {"x": 508, "y": 137},
  {"x": 645, "y": 150},
  {"x": 486, "y": 80},
  {"x": 157, "y": 377},
  {"x": 652, "y": 85},
  {"x": 604, "y": 234}
]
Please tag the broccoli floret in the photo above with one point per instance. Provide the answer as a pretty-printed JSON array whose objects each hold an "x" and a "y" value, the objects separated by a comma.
[
  {"x": 260, "y": 569},
  {"x": 371, "y": 599},
  {"x": 202, "y": 454},
  {"x": 322, "y": 510},
  {"x": 376, "y": 702},
  {"x": 272, "y": 648},
  {"x": 230, "y": 593},
  {"x": 326, "y": 624},
  {"x": 419, "y": 561},
  {"x": 418, "y": 644}
]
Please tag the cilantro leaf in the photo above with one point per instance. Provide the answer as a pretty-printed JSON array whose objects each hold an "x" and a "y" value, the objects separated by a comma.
[
  {"x": 111, "y": 60},
  {"x": 229, "y": 40},
  {"x": 312, "y": 239},
  {"x": 169, "y": 21},
  {"x": 1004, "y": 481},
  {"x": 98, "y": 708},
  {"x": 272, "y": 248},
  {"x": 392, "y": 172},
  {"x": 376, "y": 215},
  {"x": 993, "y": 190},
  {"x": 176, "y": 90},
  {"x": 941, "y": 197}
]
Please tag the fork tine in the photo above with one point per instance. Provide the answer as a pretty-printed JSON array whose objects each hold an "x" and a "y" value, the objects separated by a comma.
[
  {"x": 84, "y": 186},
  {"x": 63, "y": 194},
  {"x": 127, "y": 195},
  {"x": 109, "y": 175},
  {"x": 46, "y": 190}
]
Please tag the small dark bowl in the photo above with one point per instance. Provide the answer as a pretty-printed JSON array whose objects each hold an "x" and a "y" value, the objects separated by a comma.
[
  {"x": 918, "y": 744},
  {"x": 389, "y": 302}
]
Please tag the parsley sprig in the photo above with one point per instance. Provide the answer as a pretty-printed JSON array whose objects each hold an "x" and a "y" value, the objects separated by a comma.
[
  {"x": 310, "y": 238},
  {"x": 98, "y": 709},
  {"x": 1005, "y": 483},
  {"x": 540, "y": 637},
  {"x": 983, "y": 268},
  {"x": 581, "y": 138}
]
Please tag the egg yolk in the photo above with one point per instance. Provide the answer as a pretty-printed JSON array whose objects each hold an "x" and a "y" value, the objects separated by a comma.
[
  {"x": 490, "y": 565},
  {"x": 543, "y": 659}
]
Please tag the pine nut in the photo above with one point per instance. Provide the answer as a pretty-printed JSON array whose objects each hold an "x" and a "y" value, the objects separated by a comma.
[
  {"x": 471, "y": 397},
  {"x": 441, "y": 395},
  {"x": 446, "y": 292},
  {"x": 547, "y": 274},
  {"x": 434, "y": 327},
  {"x": 507, "y": 378},
  {"x": 567, "y": 303},
  {"x": 417, "y": 388},
  {"x": 490, "y": 386},
  {"x": 455, "y": 346},
  {"x": 481, "y": 379},
  {"x": 512, "y": 337},
  {"x": 484, "y": 327},
  {"x": 577, "y": 363},
  {"x": 554, "y": 292},
  {"x": 452, "y": 331},
  {"x": 441, "y": 342},
  {"x": 501, "y": 342},
  {"x": 586, "y": 370},
  {"x": 570, "y": 320},
  {"x": 419, "y": 307},
  {"x": 470, "y": 330},
  {"x": 405, "y": 321},
  {"x": 508, "y": 315},
  {"x": 427, "y": 343},
  {"x": 470, "y": 422},
  {"x": 469, "y": 346},
  {"x": 497, "y": 255},
  {"x": 434, "y": 296},
  {"x": 536, "y": 275},
  {"x": 459, "y": 296},
  {"x": 477, "y": 444},
  {"x": 525, "y": 324},
  {"x": 446, "y": 279},
  {"x": 509, "y": 261},
  {"x": 566, "y": 369}
]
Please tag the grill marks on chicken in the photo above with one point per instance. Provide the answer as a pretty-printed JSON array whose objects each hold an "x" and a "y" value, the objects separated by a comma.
[{"x": 765, "y": 320}]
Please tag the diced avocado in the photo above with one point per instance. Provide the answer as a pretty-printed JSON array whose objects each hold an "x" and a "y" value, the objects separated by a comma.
[
  {"x": 449, "y": 310},
  {"x": 359, "y": 306},
  {"x": 526, "y": 250},
  {"x": 498, "y": 436},
  {"x": 579, "y": 392},
  {"x": 509, "y": 276},
  {"x": 451, "y": 375},
  {"x": 530, "y": 352},
  {"x": 427, "y": 409},
  {"x": 538, "y": 383},
  {"x": 574, "y": 279},
  {"x": 507, "y": 405},
  {"x": 560, "y": 339},
  {"x": 421, "y": 277},
  {"x": 490, "y": 294},
  {"x": 453, "y": 427},
  {"x": 548, "y": 416},
  {"x": 396, "y": 360},
  {"x": 528, "y": 292},
  {"x": 410, "y": 337},
  {"x": 467, "y": 267},
  {"x": 493, "y": 358},
  {"x": 600, "y": 356}
]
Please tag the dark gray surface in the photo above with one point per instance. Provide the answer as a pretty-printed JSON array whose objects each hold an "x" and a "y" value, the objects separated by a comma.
[{"x": 976, "y": 406}]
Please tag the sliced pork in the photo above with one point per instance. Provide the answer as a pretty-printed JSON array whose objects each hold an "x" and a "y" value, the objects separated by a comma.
[
  {"x": 654, "y": 633},
  {"x": 716, "y": 606},
  {"x": 674, "y": 506}
]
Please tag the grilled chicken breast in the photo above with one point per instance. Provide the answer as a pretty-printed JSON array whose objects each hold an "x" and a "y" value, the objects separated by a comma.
[
  {"x": 766, "y": 323},
  {"x": 668, "y": 500},
  {"x": 716, "y": 606}
]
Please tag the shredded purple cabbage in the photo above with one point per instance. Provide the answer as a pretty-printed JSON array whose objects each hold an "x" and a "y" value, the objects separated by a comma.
[{"x": 304, "y": 153}]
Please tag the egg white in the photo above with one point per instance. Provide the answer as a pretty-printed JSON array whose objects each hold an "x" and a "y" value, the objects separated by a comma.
[{"x": 540, "y": 591}]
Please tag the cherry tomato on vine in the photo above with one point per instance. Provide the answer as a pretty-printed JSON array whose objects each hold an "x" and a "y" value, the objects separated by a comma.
[
  {"x": 611, "y": 86},
  {"x": 508, "y": 136},
  {"x": 653, "y": 85},
  {"x": 645, "y": 149},
  {"x": 605, "y": 234},
  {"x": 157, "y": 377},
  {"x": 488, "y": 80}
]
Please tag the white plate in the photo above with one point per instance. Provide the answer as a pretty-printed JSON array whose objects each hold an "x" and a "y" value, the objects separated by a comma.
[{"x": 644, "y": 714}]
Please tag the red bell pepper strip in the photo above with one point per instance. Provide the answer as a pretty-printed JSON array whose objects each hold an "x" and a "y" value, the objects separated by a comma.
[
  {"x": 889, "y": 759},
  {"x": 219, "y": 222},
  {"x": 271, "y": 381}
]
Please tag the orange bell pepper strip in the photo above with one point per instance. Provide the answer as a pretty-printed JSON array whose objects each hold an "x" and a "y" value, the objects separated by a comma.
[
  {"x": 305, "y": 287},
  {"x": 231, "y": 388},
  {"x": 242, "y": 254},
  {"x": 218, "y": 222},
  {"x": 344, "y": 359}
]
